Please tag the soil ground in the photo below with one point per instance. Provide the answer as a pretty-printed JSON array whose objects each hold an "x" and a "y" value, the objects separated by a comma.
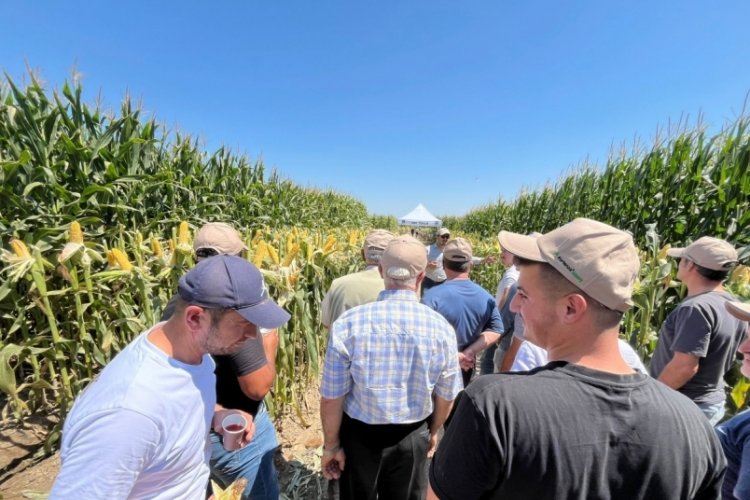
[{"x": 26, "y": 475}]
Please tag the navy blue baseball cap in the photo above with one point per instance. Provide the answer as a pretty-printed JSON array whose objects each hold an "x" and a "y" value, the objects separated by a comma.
[{"x": 231, "y": 282}]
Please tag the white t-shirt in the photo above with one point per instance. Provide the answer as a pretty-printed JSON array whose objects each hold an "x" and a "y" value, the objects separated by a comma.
[
  {"x": 510, "y": 276},
  {"x": 530, "y": 356},
  {"x": 434, "y": 254},
  {"x": 140, "y": 429}
]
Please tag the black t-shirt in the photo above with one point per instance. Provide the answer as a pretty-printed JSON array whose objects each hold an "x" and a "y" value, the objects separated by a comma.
[
  {"x": 563, "y": 431},
  {"x": 248, "y": 359}
]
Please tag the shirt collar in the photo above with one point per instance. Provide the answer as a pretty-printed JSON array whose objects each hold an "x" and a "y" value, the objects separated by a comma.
[{"x": 409, "y": 295}]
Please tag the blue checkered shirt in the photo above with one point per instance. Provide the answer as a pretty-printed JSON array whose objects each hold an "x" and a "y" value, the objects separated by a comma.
[{"x": 388, "y": 358}]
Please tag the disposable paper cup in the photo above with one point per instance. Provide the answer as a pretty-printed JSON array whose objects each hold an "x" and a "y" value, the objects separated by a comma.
[{"x": 234, "y": 426}]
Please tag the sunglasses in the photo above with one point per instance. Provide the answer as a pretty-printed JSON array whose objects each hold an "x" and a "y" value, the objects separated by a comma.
[
  {"x": 204, "y": 253},
  {"x": 445, "y": 236}
]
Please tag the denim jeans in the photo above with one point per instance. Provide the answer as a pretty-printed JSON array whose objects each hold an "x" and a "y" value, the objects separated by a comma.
[
  {"x": 713, "y": 412},
  {"x": 254, "y": 461}
]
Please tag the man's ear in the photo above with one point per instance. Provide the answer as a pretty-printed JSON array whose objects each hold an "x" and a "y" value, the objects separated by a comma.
[
  {"x": 380, "y": 270},
  {"x": 194, "y": 316},
  {"x": 575, "y": 306}
]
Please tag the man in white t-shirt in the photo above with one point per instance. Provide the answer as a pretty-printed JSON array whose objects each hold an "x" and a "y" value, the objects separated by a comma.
[{"x": 140, "y": 429}]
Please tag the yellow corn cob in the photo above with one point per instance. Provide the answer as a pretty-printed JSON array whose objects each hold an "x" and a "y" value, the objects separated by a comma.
[
  {"x": 256, "y": 238},
  {"x": 353, "y": 237},
  {"x": 76, "y": 235},
  {"x": 260, "y": 253},
  {"x": 289, "y": 240},
  {"x": 291, "y": 254},
  {"x": 330, "y": 243},
  {"x": 183, "y": 235},
  {"x": 272, "y": 253},
  {"x": 111, "y": 259},
  {"x": 156, "y": 247},
  {"x": 120, "y": 259},
  {"x": 138, "y": 239},
  {"x": 20, "y": 249},
  {"x": 308, "y": 250}
]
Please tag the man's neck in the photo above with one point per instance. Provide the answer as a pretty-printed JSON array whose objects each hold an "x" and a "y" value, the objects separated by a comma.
[
  {"x": 598, "y": 351},
  {"x": 704, "y": 286},
  {"x": 174, "y": 343},
  {"x": 453, "y": 276}
]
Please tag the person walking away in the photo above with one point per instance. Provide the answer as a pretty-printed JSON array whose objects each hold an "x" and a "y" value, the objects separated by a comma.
[{"x": 390, "y": 376}]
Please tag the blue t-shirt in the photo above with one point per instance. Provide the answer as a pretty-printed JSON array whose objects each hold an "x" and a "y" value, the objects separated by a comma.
[
  {"x": 467, "y": 306},
  {"x": 734, "y": 435}
]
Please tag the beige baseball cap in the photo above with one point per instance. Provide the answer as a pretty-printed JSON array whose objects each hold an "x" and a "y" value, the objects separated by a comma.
[
  {"x": 404, "y": 258},
  {"x": 458, "y": 250},
  {"x": 220, "y": 237},
  {"x": 597, "y": 258},
  {"x": 708, "y": 252},
  {"x": 519, "y": 243},
  {"x": 375, "y": 243},
  {"x": 739, "y": 310},
  {"x": 442, "y": 231}
]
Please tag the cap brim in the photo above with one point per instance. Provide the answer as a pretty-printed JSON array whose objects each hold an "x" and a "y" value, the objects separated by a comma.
[
  {"x": 739, "y": 310},
  {"x": 675, "y": 252},
  {"x": 266, "y": 314},
  {"x": 521, "y": 245}
]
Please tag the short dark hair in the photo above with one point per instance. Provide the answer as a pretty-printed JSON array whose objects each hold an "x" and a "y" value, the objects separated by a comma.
[
  {"x": 711, "y": 274},
  {"x": 557, "y": 286},
  {"x": 455, "y": 266},
  {"x": 215, "y": 314}
]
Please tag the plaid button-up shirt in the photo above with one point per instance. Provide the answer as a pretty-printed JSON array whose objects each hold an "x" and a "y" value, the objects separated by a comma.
[{"x": 388, "y": 358}]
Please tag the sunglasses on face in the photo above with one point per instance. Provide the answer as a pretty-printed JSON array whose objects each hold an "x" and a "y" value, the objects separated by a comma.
[{"x": 445, "y": 236}]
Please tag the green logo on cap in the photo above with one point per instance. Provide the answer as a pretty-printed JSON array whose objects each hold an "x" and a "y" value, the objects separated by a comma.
[{"x": 569, "y": 267}]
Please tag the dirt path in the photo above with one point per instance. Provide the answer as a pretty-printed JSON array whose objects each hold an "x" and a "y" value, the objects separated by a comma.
[{"x": 298, "y": 459}]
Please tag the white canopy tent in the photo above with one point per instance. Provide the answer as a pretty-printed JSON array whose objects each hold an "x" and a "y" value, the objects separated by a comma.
[{"x": 420, "y": 217}]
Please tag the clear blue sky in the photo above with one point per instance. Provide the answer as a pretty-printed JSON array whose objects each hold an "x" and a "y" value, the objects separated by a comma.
[{"x": 452, "y": 104}]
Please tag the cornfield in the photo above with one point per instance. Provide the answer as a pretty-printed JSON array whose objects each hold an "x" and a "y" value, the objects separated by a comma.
[
  {"x": 93, "y": 211},
  {"x": 689, "y": 185},
  {"x": 67, "y": 311}
]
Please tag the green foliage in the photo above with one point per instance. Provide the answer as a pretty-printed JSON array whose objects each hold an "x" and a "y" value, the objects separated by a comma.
[
  {"x": 384, "y": 222},
  {"x": 688, "y": 186},
  {"x": 62, "y": 160}
]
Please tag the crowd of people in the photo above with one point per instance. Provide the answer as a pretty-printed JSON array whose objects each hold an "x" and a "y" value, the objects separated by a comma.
[{"x": 564, "y": 408}]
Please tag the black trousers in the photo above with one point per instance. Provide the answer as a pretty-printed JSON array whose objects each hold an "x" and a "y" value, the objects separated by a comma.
[{"x": 384, "y": 461}]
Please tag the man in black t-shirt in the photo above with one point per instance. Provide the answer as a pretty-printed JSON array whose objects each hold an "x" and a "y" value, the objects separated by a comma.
[{"x": 585, "y": 425}]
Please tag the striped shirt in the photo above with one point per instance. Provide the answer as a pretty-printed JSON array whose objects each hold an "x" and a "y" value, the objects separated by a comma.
[{"x": 388, "y": 358}]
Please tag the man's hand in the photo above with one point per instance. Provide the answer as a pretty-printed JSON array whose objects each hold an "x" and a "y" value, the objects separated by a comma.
[
  {"x": 466, "y": 360},
  {"x": 432, "y": 264},
  {"x": 332, "y": 462},
  {"x": 221, "y": 414},
  {"x": 433, "y": 444}
]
